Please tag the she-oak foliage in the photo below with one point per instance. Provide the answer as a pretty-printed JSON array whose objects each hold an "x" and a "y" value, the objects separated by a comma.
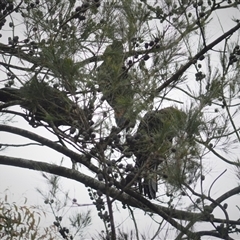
[{"x": 133, "y": 91}]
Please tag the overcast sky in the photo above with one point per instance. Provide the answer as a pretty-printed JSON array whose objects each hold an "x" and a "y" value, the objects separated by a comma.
[{"x": 22, "y": 183}]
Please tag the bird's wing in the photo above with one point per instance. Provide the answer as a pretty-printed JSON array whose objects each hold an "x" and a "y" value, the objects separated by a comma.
[
  {"x": 114, "y": 83},
  {"x": 8, "y": 94},
  {"x": 154, "y": 140}
]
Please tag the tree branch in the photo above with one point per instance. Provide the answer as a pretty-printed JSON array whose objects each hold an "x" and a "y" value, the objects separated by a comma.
[
  {"x": 67, "y": 152},
  {"x": 196, "y": 57},
  {"x": 225, "y": 196},
  {"x": 138, "y": 201},
  {"x": 135, "y": 201}
]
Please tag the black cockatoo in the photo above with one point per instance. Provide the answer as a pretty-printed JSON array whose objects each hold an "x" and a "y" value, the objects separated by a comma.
[
  {"x": 152, "y": 143},
  {"x": 115, "y": 85},
  {"x": 45, "y": 103}
]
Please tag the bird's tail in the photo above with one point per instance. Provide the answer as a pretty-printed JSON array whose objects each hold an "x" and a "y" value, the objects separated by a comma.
[
  {"x": 150, "y": 187},
  {"x": 8, "y": 94},
  {"x": 148, "y": 184}
]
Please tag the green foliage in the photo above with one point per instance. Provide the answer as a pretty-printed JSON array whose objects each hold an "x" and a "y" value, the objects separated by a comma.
[
  {"x": 70, "y": 220},
  {"x": 22, "y": 222},
  {"x": 46, "y": 102},
  {"x": 107, "y": 79},
  {"x": 115, "y": 83}
]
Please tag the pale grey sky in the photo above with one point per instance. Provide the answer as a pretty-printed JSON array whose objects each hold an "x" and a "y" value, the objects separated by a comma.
[{"x": 22, "y": 183}]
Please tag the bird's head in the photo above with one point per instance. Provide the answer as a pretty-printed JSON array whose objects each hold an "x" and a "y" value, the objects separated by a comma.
[{"x": 114, "y": 51}]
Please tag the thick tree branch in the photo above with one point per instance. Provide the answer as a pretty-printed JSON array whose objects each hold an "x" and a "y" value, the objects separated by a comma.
[
  {"x": 61, "y": 149},
  {"x": 137, "y": 201},
  {"x": 182, "y": 70},
  {"x": 132, "y": 198},
  {"x": 214, "y": 234},
  {"x": 225, "y": 196}
]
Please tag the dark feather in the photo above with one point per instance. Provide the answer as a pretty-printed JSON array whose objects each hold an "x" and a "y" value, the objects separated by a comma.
[
  {"x": 115, "y": 85},
  {"x": 45, "y": 103},
  {"x": 9, "y": 94},
  {"x": 151, "y": 144}
]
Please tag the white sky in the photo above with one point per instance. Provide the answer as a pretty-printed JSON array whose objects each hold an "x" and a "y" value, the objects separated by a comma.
[{"x": 22, "y": 183}]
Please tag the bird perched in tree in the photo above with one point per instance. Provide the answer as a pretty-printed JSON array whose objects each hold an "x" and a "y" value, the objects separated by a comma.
[
  {"x": 152, "y": 144},
  {"x": 45, "y": 103},
  {"x": 115, "y": 85}
]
